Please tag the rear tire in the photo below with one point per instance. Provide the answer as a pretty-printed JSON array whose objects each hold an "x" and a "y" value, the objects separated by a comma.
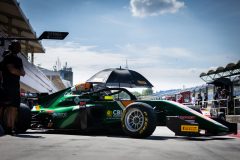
[
  {"x": 139, "y": 120},
  {"x": 24, "y": 119}
]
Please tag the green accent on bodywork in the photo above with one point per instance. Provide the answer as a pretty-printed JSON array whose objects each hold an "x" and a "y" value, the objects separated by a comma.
[
  {"x": 69, "y": 120},
  {"x": 63, "y": 109},
  {"x": 57, "y": 110}
]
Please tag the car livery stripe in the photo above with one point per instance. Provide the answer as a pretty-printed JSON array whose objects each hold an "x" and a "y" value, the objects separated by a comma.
[
  {"x": 126, "y": 102},
  {"x": 121, "y": 105}
]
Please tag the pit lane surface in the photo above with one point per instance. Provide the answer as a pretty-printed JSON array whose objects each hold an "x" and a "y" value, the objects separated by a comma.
[{"x": 161, "y": 145}]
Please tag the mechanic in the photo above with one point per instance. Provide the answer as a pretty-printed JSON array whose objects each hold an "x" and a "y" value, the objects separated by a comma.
[
  {"x": 12, "y": 69},
  {"x": 199, "y": 100}
]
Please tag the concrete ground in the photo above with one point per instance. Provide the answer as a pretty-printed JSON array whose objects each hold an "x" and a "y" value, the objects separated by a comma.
[{"x": 161, "y": 145}]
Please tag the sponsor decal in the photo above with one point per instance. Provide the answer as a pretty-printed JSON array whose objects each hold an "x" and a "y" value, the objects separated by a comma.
[
  {"x": 187, "y": 117},
  {"x": 109, "y": 114},
  {"x": 77, "y": 100},
  {"x": 59, "y": 115},
  {"x": 189, "y": 128},
  {"x": 114, "y": 114},
  {"x": 82, "y": 105},
  {"x": 145, "y": 123},
  {"x": 190, "y": 119},
  {"x": 108, "y": 97},
  {"x": 117, "y": 113}
]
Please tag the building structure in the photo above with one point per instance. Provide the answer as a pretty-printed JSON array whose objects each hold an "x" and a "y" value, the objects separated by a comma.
[
  {"x": 55, "y": 77},
  {"x": 66, "y": 73},
  {"x": 13, "y": 23}
]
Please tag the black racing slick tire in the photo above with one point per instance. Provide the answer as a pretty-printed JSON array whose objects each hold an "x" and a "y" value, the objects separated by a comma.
[
  {"x": 138, "y": 120},
  {"x": 24, "y": 119}
]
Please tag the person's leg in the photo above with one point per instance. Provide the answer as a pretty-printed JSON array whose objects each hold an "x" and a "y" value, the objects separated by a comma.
[
  {"x": 11, "y": 115},
  {"x": 11, "y": 110}
]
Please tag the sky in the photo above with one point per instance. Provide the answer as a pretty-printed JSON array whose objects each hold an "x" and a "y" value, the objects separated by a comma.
[{"x": 170, "y": 42}]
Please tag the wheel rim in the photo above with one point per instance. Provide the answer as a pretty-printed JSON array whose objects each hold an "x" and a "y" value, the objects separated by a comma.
[{"x": 134, "y": 120}]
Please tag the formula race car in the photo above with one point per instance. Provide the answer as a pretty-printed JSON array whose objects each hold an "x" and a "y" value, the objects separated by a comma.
[{"x": 86, "y": 107}]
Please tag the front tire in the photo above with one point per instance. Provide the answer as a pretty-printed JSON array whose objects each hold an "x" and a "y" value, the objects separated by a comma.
[{"x": 139, "y": 120}]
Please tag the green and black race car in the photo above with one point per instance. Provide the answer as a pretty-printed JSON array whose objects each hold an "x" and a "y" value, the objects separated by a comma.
[{"x": 112, "y": 109}]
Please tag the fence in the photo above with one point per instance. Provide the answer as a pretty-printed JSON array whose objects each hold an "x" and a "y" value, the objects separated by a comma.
[
  {"x": 220, "y": 105},
  {"x": 236, "y": 104}
]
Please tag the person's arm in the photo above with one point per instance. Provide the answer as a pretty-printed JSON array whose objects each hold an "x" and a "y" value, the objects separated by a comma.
[
  {"x": 22, "y": 72},
  {"x": 15, "y": 71}
]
